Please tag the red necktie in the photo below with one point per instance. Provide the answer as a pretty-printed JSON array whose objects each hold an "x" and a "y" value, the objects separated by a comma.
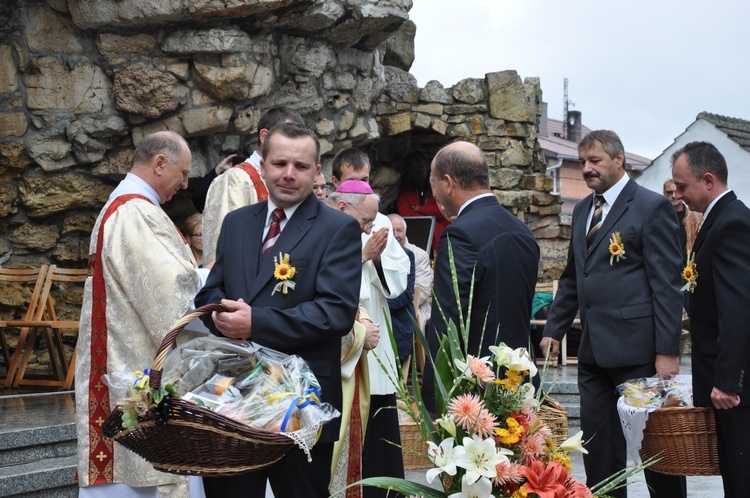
[{"x": 273, "y": 231}]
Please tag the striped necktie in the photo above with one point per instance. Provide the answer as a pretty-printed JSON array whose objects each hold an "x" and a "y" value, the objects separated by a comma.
[
  {"x": 596, "y": 220},
  {"x": 273, "y": 231}
]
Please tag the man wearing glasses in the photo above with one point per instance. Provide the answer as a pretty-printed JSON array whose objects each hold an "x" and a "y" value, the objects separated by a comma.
[{"x": 320, "y": 187}]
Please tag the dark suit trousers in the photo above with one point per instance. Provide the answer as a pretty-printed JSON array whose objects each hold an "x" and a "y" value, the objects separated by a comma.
[
  {"x": 733, "y": 435},
  {"x": 291, "y": 476},
  {"x": 601, "y": 424}
]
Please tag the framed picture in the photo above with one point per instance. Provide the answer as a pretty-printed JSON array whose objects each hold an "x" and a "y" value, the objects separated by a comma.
[{"x": 419, "y": 230}]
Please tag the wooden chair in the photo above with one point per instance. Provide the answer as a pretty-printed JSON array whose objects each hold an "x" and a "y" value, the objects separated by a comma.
[
  {"x": 63, "y": 370},
  {"x": 564, "y": 358},
  {"x": 25, "y": 277}
]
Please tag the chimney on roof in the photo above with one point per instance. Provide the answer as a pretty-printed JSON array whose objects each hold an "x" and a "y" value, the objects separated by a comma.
[
  {"x": 573, "y": 125},
  {"x": 543, "y": 128}
]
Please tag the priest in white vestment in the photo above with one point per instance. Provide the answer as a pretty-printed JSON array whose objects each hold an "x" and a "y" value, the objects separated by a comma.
[{"x": 142, "y": 279}]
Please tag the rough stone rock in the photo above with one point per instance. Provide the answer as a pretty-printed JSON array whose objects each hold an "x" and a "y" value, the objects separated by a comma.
[
  {"x": 476, "y": 124},
  {"x": 71, "y": 250},
  {"x": 460, "y": 130},
  {"x": 359, "y": 130},
  {"x": 115, "y": 165},
  {"x": 536, "y": 182},
  {"x": 366, "y": 91},
  {"x": 79, "y": 221},
  {"x": 14, "y": 294},
  {"x": 432, "y": 108},
  {"x": 514, "y": 198},
  {"x": 12, "y": 160},
  {"x": 400, "y": 85},
  {"x": 114, "y": 44},
  {"x": 112, "y": 13},
  {"x": 324, "y": 127},
  {"x": 8, "y": 71},
  {"x": 434, "y": 91},
  {"x": 208, "y": 41},
  {"x": 31, "y": 238},
  {"x": 144, "y": 90},
  {"x": 504, "y": 178},
  {"x": 306, "y": 57},
  {"x": 492, "y": 143},
  {"x": 422, "y": 121},
  {"x": 551, "y": 210},
  {"x": 7, "y": 198},
  {"x": 440, "y": 126},
  {"x": 44, "y": 196},
  {"x": 13, "y": 125},
  {"x": 337, "y": 100},
  {"x": 371, "y": 23},
  {"x": 516, "y": 155},
  {"x": 247, "y": 120},
  {"x": 508, "y": 97},
  {"x": 469, "y": 91},
  {"x": 399, "y": 51},
  {"x": 51, "y": 150},
  {"x": 206, "y": 120},
  {"x": 318, "y": 17},
  {"x": 517, "y": 130},
  {"x": 172, "y": 123},
  {"x": 91, "y": 136},
  {"x": 496, "y": 128},
  {"x": 238, "y": 83},
  {"x": 49, "y": 31},
  {"x": 465, "y": 109},
  {"x": 303, "y": 98},
  {"x": 397, "y": 123},
  {"x": 236, "y": 9},
  {"x": 544, "y": 199},
  {"x": 52, "y": 87}
]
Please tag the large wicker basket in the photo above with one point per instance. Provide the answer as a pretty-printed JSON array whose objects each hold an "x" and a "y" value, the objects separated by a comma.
[
  {"x": 411, "y": 442},
  {"x": 685, "y": 440},
  {"x": 195, "y": 441},
  {"x": 553, "y": 414}
]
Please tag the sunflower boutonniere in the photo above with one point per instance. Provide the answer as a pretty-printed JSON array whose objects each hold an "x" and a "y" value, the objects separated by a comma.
[
  {"x": 616, "y": 249},
  {"x": 690, "y": 274},
  {"x": 284, "y": 272}
]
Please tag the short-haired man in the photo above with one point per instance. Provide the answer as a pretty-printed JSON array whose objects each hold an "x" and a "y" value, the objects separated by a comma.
[
  {"x": 320, "y": 187},
  {"x": 689, "y": 220},
  {"x": 490, "y": 246},
  {"x": 309, "y": 320},
  {"x": 143, "y": 278},
  {"x": 241, "y": 185},
  {"x": 719, "y": 309},
  {"x": 631, "y": 305},
  {"x": 385, "y": 267}
]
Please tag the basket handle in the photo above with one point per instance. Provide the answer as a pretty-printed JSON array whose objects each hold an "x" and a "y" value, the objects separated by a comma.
[{"x": 169, "y": 340}]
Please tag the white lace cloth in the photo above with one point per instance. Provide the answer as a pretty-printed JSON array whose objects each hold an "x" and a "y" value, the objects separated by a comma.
[{"x": 633, "y": 421}]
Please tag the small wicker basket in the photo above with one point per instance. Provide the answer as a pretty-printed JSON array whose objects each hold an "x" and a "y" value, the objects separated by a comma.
[
  {"x": 553, "y": 414},
  {"x": 195, "y": 441},
  {"x": 411, "y": 441},
  {"x": 685, "y": 440}
]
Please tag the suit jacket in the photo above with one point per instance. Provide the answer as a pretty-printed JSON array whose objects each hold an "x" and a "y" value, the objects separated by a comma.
[
  {"x": 403, "y": 314},
  {"x": 632, "y": 309},
  {"x": 501, "y": 250},
  {"x": 719, "y": 310},
  {"x": 324, "y": 246}
]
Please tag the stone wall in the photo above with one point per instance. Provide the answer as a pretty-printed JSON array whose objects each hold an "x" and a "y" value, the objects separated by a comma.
[{"x": 82, "y": 81}]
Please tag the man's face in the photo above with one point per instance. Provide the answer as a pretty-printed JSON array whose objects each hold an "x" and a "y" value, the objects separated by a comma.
[
  {"x": 670, "y": 192},
  {"x": 172, "y": 176},
  {"x": 600, "y": 172},
  {"x": 320, "y": 187},
  {"x": 690, "y": 189},
  {"x": 399, "y": 230},
  {"x": 289, "y": 169},
  {"x": 365, "y": 213},
  {"x": 349, "y": 173},
  {"x": 440, "y": 191}
]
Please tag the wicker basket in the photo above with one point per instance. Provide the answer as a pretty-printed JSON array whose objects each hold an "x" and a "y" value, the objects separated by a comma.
[
  {"x": 411, "y": 441},
  {"x": 553, "y": 414},
  {"x": 685, "y": 440},
  {"x": 195, "y": 441}
]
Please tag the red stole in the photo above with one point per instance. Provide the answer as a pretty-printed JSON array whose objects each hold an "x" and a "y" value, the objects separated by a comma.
[{"x": 260, "y": 187}]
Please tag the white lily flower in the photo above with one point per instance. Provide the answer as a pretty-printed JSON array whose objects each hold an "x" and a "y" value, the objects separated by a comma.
[
  {"x": 463, "y": 368},
  {"x": 448, "y": 423},
  {"x": 574, "y": 443},
  {"x": 501, "y": 353},
  {"x": 479, "y": 457},
  {"x": 442, "y": 457},
  {"x": 480, "y": 489},
  {"x": 529, "y": 401}
]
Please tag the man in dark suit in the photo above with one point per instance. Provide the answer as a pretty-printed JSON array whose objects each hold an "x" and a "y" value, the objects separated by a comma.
[
  {"x": 631, "y": 306},
  {"x": 491, "y": 246},
  {"x": 310, "y": 319},
  {"x": 719, "y": 310}
]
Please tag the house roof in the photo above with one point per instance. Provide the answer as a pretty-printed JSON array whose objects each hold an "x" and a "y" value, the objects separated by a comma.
[
  {"x": 556, "y": 146},
  {"x": 736, "y": 129}
]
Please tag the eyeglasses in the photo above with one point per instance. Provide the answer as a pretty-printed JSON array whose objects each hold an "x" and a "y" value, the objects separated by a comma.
[
  {"x": 368, "y": 224},
  {"x": 199, "y": 234},
  {"x": 320, "y": 187}
]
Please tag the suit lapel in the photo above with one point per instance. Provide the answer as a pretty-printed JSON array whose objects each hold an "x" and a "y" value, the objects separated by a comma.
[
  {"x": 708, "y": 221},
  {"x": 251, "y": 242},
  {"x": 615, "y": 213},
  {"x": 295, "y": 229}
]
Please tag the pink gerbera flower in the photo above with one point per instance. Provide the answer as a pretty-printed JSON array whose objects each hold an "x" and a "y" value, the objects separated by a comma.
[
  {"x": 481, "y": 370},
  {"x": 486, "y": 424},
  {"x": 508, "y": 473},
  {"x": 532, "y": 447},
  {"x": 466, "y": 409}
]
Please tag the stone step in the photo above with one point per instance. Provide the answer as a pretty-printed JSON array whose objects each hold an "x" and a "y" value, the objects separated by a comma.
[{"x": 45, "y": 478}]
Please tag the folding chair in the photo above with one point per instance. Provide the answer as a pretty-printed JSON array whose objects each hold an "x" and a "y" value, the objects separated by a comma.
[{"x": 564, "y": 358}]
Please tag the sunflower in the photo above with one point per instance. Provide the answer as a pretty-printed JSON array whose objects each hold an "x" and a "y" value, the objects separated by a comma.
[
  {"x": 283, "y": 270},
  {"x": 616, "y": 248}
]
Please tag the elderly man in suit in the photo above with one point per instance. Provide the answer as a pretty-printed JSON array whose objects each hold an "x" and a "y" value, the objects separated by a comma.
[
  {"x": 719, "y": 311},
  {"x": 623, "y": 273},
  {"x": 491, "y": 246},
  {"x": 310, "y": 319}
]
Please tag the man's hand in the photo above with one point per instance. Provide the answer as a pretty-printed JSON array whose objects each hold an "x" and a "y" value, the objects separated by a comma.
[
  {"x": 553, "y": 345},
  {"x": 224, "y": 165},
  {"x": 724, "y": 400},
  {"x": 236, "y": 322},
  {"x": 667, "y": 365},
  {"x": 372, "y": 335},
  {"x": 375, "y": 245}
]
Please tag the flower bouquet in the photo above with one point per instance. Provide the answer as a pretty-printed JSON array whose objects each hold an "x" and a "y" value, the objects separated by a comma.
[{"x": 488, "y": 440}]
